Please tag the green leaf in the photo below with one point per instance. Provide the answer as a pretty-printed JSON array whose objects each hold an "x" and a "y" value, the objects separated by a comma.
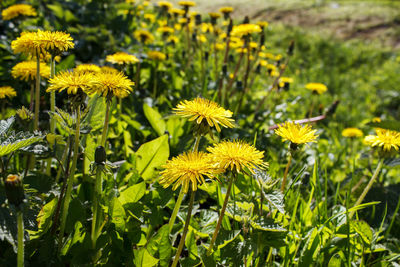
[
  {"x": 232, "y": 237},
  {"x": 18, "y": 141},
  {"x": 118, "y": 215},
  {"x": 133, "y": 194},
  {"x": 97, "y": 110},
  {"x": 190, "y": 243},
  {"x": 6, "y": 124},
  {"x": 151, "y": 156},
  {"x": 160, "y": 242},
  {"x": 275, "y": 199},
  {"x": 155, "y": 119},
  {"x": 335, "y": 261},
  {"x": 386, "y": 124},
  {"x": 45, "y": 216},
  {"x": 144, "y": 259},
  {"x": 364, "y": 230},
  {"x": 175, "y": 128},
  {"x": 57, "y": 10}
]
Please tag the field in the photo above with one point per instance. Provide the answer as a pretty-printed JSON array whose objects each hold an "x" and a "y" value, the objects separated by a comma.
[{"x": 145, "y": 133}]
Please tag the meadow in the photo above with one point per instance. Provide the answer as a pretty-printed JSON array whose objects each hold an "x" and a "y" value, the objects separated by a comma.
[{"x": 145, "y": 133}]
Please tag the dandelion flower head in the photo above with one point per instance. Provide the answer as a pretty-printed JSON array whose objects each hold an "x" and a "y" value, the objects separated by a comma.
[
  {"x": 73, "y": 81},
  {"x": 296, "y": 133},
  {"x": 237, "y": 155},
  {"x": 352, "y": 132},
  {"x": 226, "y": 10},
  {"x": 121, "y": 58},
  {"x": 188, "y": 168},
  {"x": 245, "y": 29},
  {"x": 156, "y": 55},
  {"x": 18, "y": 10},
  {"x": 186, "y": 3},
  {"x": 165, "y": 4},
  {"x": 111, "y": 83},
  {"x": 386, "y": 139},
  {"x": 26, "y": 70},
  {"x": 7, "y": 91},
  {"x": 204, "y": 110},
  {"x": 90, "y": 68},
  {"x": 144, "y": 36},
  {"x": 317, "y": 87}
]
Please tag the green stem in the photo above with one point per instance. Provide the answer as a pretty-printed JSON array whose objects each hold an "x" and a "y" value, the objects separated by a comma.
[
  {"x": 181, "y": 193},
  {"x": 52, "y": 96},
  {"x": 98, "y": 181},
  {"x": 37, "y": 94},
  {"x": 286, "y": 173},
  {"x": 369, "y": 185},
  {"x": 185, "y": 230},
  {"x": 70, "y": 181},
  {"x": 20, "y": 252},
  {"x": 106, "y": 121},
  {"x": 221, "y": 216}
]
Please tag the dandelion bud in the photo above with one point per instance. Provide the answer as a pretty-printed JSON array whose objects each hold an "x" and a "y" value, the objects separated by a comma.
[
  {"x": 239, "y": 86},
  {"x": 14, "y": 189},
  {"x": 262, "y": 39},
  {"x": 258, "y": 68},
  {"x": 206, "y": 55},
  {"x": 24, "y": 114},
  {"x": 229, "y": 29},
  {"x": 100, "y": 156},
  {"x": 197, "y": 19},
  {"x": 246, "y": 20},
  {"x": 290, "y": 48},
  {"x": 194, "y": 37},
  {"x": 224, "y": 69},
  {"x": 231, "y": 58}
]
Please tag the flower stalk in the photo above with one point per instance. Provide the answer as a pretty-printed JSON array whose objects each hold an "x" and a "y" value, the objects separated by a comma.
[
  {"x": 98, "y": 181},
  {"x": 185, "y": 229},
  {"x": 20, "y": 249},
  {"x": 37, "y": 93},
  {"x": 368, "y": 187},
  {"x": 286, "y": 172},
  {"x": 70, "y": 181}
]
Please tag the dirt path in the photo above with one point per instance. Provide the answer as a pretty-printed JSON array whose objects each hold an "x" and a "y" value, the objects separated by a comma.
[{"x": 373, "y": 21}]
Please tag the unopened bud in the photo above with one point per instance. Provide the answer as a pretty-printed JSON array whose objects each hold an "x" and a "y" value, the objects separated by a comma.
[
  {"x": 197, "y": 19},
  {"x": 100, "y": 156},
  {"x": 290, "y": 48},
  {"x": 14, "y": 189}
]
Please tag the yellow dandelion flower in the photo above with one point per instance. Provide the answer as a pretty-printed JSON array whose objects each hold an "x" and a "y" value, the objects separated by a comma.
[
  {"x": 186, "y": 4},
  {"x": 173, "y": 39},
  {"x": 214, "y": 15},
  {"x": 7, "y": 91},
  {"x": 376, "y": 119},
  {"x": 237, "y": 155},
  {"x": 108, "y": 69},
  {"x": 219, "y": 46},
  {"x": 245, "y": 30},
  {"x": 91, "y": 68},
  {"x": 226, "y": 10},
  {"x": 26, "y": 70},
  {"x": 53, "y": 42},
  {"x": 165, "y": 30},
  {"x": 387, "y": 139},
  {"x": 109, "y": 84},
  {"x": 262, "y": 24},
  {"x": 150, "y": 17},
  {"x": 285, "y": 80},
  {"x": 201, "y": 109},
  {"x": 144, "y": 36},
  {"x": 121, "y": 58},
  {"x": 25, "y": 44},
  {"x": 18, "y": 10},
  {"x": 317, "y": 87},
  {"x": 352, "y": 132},
  {"x": 165, "y": 4},
  {"x": 177, "y": 12},
  {"x": 295, "y": 133},
  {"x": 72, "y": 81},
  {"x": 156, "y": 55},
  {"x": 190, "y": 167}
]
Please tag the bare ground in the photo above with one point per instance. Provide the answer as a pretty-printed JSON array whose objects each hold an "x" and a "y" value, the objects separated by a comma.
[{"x": 372, "y": 21}]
